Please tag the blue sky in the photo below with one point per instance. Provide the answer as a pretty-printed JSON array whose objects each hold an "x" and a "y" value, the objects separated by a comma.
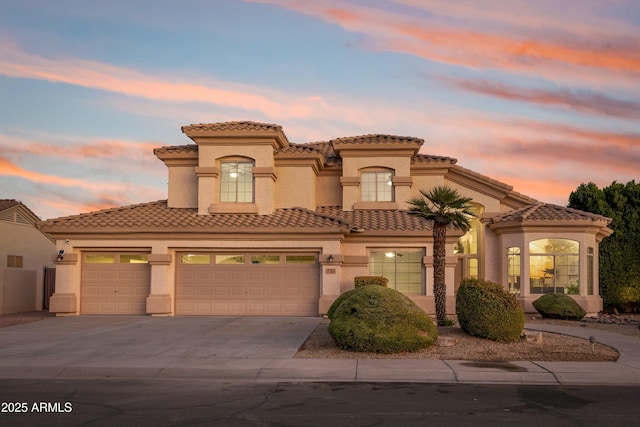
[{"x": 540, "y": 95}]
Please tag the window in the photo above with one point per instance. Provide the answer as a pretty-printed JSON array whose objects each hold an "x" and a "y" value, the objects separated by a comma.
[
  {"x": 203, "y": 259},
  {"x": 590, "y": 272},
  {"x": 229, "y": 259},
  {"x": 554, "y": 266},
  {"x": 513, "y": 269},
  {"x": 467, "y": 247},
  {"x": 134, "y": 259},
  {"x": 100, "y": 259},
  {"x": 402, "y": 268},
  {"x": 236, "y": 182},
  {"x": 301, "y": 259},
  {"x": 265, "y": 259},
  {"x": 377, "y": 186},
  {"x": 14, "y": 261}
]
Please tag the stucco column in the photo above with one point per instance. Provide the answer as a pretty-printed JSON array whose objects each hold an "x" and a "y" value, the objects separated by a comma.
[
  {"x": 64, "y": 302},
  {"x": 402, "y": 187},
  {"x": 264, "y": 177},
  {"x": 207, "y": 188},
  {"x": 331, "y": 266},
  {"x": 159, "y": 301}
]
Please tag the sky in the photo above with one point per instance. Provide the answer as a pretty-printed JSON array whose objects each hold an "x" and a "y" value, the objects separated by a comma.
[{"x": 542, "y": 95}]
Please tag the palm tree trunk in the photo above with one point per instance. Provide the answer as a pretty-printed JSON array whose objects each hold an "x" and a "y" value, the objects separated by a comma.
[{"x": 439, "y": 268}]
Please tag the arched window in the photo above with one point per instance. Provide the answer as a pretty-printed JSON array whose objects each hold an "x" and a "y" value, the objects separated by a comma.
[
  {"x": 554, "y": 266},
  {"x": 376, "y": 185},
  {"x": 236, "y": 180}
]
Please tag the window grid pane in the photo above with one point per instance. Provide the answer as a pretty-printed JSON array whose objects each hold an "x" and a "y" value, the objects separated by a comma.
[
  {"x": 513, "y": 269},
  {"x": 376, "y": 187},
  {"x": 236, "y": 182},
  {"x": 402, "y": 269}
]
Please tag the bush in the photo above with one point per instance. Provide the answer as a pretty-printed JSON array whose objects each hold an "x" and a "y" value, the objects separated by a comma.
[
  {"x": 361, "y": 281},
  {"x": 337, "y": 302},
  {"x": 382, "y": 320},
  {"x": 625, "y": 299},
  {"x": 559, "y": 306},
  {"x": 486, "y": 310}
]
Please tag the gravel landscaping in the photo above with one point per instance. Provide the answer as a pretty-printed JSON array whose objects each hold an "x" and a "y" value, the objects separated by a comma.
[{"x": 453, "y": 344}]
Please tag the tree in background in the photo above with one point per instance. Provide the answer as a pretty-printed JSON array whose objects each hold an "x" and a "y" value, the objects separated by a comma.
[
  {"x": 619, "y": 253},
  {"x": 445, "y": 207}
]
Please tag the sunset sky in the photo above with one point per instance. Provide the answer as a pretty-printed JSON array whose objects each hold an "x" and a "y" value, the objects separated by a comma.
[{"x": 542, "y": 95}]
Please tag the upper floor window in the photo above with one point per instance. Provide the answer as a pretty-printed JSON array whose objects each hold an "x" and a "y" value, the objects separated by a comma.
[
  {"x": 236, "y": 181},
  {"x": 377, "y": 186}
]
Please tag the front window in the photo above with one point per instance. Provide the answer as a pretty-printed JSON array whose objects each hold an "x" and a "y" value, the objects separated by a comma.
[
  {"x": 236, "y": 182},
  {"x": 513, "y": 269},
  {"x": 402, "y": 268},
  {"x": 377, "y": 186},
  {"x": 467, "y": 246},
  {"x": 554, "y": 266}
]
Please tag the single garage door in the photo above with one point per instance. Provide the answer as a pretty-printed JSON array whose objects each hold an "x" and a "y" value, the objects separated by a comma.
[
  {"x": 278, "y": 284},
  {"x": 114, "y": 283}
]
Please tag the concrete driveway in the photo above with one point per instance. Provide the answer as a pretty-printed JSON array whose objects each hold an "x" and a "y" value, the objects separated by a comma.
[{"x": 131, "y": 344}]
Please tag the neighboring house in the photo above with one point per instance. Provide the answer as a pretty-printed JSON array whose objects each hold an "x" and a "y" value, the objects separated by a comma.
[
  {"x": 257, "y": 225},
  {"x": 25, "y": 251}
]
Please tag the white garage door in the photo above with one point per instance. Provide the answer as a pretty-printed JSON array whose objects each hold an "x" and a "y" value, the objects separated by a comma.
[
  {"x": 114, "y": 283},
  {"x": 247, "y": 284}
]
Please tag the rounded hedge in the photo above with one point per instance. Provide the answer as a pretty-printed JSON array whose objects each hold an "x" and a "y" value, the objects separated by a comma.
[
  {"x": 486, "y": 310},
  {"x": 378, "y": 319},
  {"x": 559, "y": 306}
]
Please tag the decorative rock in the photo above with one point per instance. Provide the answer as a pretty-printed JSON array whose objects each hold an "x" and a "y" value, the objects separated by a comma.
[
  {"x": 534, "y": 337},
  {"x": 447, "y": 341}
]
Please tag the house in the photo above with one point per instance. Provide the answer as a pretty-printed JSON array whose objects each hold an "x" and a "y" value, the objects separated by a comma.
[
  {"x": 25, "y": 252},
  {"x": 257, "y": 225}
]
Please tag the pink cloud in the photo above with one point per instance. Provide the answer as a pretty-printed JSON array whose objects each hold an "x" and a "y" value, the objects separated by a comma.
[
  {"x": 96, "y": 75},
  {"x": 583, "y": 101},
  {"x": 9, "y": 168},
  {"x": 516, "y": 50}
]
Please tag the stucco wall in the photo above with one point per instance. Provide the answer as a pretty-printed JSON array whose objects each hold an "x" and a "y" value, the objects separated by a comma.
[
  {"x": 18, "y": 290},
  {"x": 36, "y": 251},
  {"x": 294, "y": 187}
]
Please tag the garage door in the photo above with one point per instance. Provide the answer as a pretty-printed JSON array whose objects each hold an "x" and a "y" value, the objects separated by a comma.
[
  {"x": 114, "y": 283},
  {"x": 247, "y": 284}
]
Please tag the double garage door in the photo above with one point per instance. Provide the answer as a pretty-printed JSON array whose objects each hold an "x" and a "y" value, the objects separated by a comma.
[
  {"x": 114, "y": 283},
  {"x": 259, "y": 284}
]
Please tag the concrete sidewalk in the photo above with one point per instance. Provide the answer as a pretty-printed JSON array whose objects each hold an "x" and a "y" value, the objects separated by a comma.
[{"x": 261, "y": 349}]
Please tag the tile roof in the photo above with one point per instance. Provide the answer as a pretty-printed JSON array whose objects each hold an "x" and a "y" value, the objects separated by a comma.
[
  {"x": 378, "y": 139},
  {"x": 429, "y": 158},
  {"x": 547, "y": 212},
  {"x": 157, "y": 217},
  {"x": 387, "y": 220},
  {"x": 233, "y": 126},
  {"x": 8, "y": 203},
  {"x": 190, "y": 148}
]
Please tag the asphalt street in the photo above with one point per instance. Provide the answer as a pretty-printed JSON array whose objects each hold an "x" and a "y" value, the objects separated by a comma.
[{"x": 196, "y": 402}]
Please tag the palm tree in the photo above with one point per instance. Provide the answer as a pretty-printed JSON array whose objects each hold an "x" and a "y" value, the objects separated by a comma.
[{"x": 446, "y": 208}]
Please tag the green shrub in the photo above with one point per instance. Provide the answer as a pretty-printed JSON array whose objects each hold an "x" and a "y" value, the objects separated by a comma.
[
  {"x": 361, "y": 281},
  {"x": 559, "y": 306},
  {"x": 486, "y": 310},
  {"x": 625, "y": 299},
  {"x": 382, "y": 320},
  {"x": 337, "y": 302}
]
